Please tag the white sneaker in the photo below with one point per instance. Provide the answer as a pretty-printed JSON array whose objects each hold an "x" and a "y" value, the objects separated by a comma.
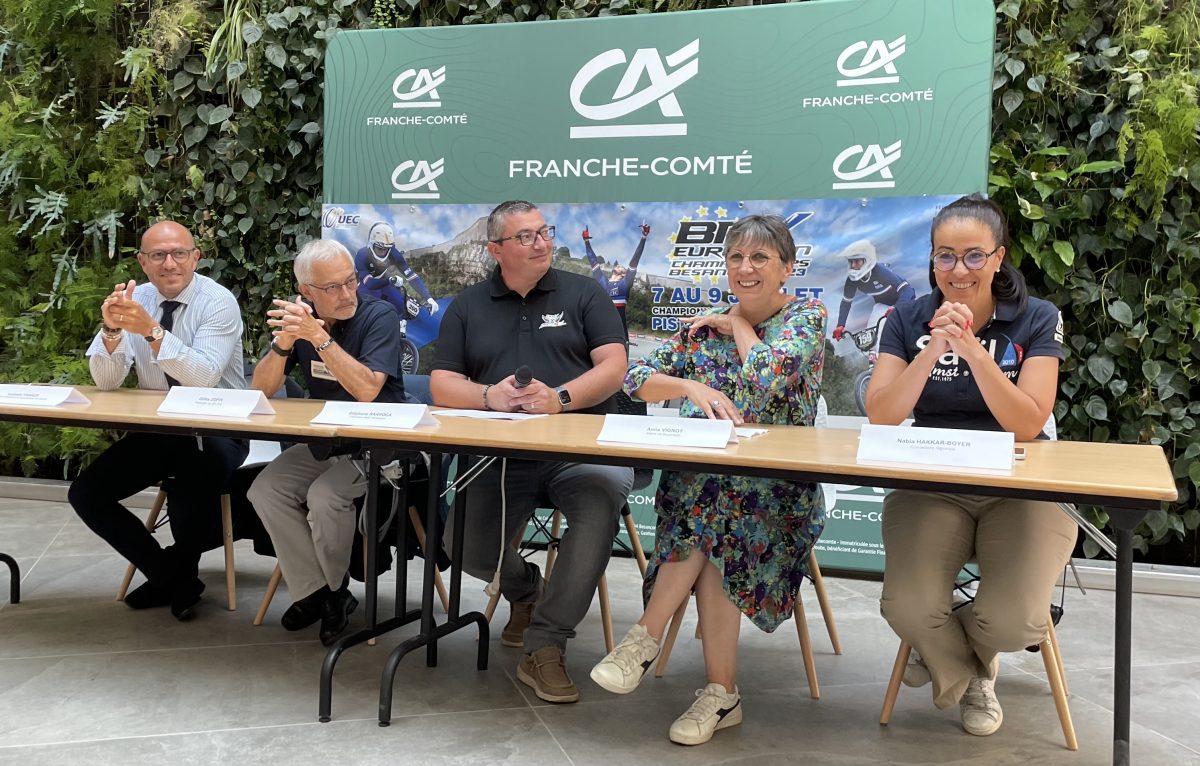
[
  {"x": 625, "y": 666},
  {"x": 981, "y": 713},
  {"x": 713, "y": 709},
  {"x": 916, "y": 674}
]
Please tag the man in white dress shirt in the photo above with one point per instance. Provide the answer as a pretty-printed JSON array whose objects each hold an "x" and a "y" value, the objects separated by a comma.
[{"x": 179, "y": 328}]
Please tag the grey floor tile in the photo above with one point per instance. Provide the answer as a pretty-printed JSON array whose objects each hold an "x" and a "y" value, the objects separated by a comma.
[{"x": 466, "y": 739}]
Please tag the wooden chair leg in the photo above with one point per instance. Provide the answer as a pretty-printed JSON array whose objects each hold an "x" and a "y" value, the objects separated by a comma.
[
  {"x": 810, "y": 666},
  {"x": 438, "y": 583},
  {"x": 668, "y": 642},
  {"x": 893, "y": 689},
  {"x": 155, "y": 510},
  {"x": 823, "y": 600},
  {"x": 635, "y": 542},
  {"x": 1058, "y": 689},
  {"x": 552, "y": 546},
  {"x": 490, "y": 609},
  {"x": 1052, "y": 634},
  {"x": 606, "y": 614},
  {"x": 227, "y": 539},
  {"x": 272, "y": 586}
]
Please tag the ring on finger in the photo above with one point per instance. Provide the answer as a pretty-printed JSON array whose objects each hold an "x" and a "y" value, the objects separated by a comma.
[{"x": 716, "y": 404}]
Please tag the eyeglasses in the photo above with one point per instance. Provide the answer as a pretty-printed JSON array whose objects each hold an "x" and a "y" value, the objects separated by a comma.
[
  {"x": 527, "y": 238},
  {"x": 947, "y": 260},
  {"x": 350, "y": 284},
  {"x": 757, "y": 260},
  {"x": 158, "y": 256}
]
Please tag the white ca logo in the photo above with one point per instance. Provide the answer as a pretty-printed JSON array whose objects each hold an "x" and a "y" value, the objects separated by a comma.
[
  {"x": 421, "y": 175},
  {"x": 874, "y": 160},
  {"x": 876, "y": 55},
  {"x": 424, "y": 84},
  {"x": 685, "y": 64}
]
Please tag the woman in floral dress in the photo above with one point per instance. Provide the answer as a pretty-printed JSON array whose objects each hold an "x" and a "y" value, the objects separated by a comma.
[{"x": 742, "y": 544}]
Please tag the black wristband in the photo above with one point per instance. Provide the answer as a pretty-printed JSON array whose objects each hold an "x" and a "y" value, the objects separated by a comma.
[{"x": 285, "y": 353}]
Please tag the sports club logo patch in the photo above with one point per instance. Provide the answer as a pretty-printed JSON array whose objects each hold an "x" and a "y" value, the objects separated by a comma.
[
  {"x": 553, "y": 320},
  {"x": 646, "y": 63}
]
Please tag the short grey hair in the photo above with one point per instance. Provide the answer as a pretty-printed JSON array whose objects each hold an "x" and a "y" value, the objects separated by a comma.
[
  {"x": 318, "y": 250},
  {"x": 769, "y": 230},
  {"x": 499, "y": 216}
]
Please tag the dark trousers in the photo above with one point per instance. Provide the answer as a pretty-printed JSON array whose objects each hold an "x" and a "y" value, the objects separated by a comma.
[{"x": 194, "y": 480}]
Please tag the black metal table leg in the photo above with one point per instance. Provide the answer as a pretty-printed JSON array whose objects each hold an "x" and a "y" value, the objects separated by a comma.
[
  {"x": 14, "y": 582},
  {"x": 1123, "y": 521}
]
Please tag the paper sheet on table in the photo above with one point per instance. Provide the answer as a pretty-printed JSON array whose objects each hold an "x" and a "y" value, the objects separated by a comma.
[{"x": 487, "y": 414}]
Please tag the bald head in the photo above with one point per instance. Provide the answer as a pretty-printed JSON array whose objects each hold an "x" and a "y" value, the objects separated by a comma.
[{"x": 169, "y": 257}]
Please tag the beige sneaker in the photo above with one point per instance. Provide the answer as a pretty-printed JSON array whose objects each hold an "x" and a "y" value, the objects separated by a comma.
[
  {"x": 713, "y": 709},
  {"x": 625, "y": 666},
  {"x": 519, "y": 615},
  {"x": 981, "y": 713},
  {"x": 545, "y": 673}
]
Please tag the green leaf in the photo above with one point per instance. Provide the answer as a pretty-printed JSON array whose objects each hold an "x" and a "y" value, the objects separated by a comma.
[
  {"x": 311, "y": 127},
  {"x": 235, "y": 69},
  {"x": 1064, "y": 251},
  {"x": 251, "y": 97},
  {"x": 1191, "y": 517},
  {"x": 1014, "y": 67},
  {"x": 1096, "y": 409},
  {"x": 1120, "y": 311},
  {"x": 194, "y": 135},
  {"x": 276, "y": 55},
  {"x": 251, "y": 33},
  {"x": 152, "y": 156},
  {"x": 1011, "y": 100},
  {"x": 1101, "y": 366},
  {"x": 219, "y": 114},
  {"x": 1157, "y": 521},
  {"x": 239, "y": 170},
  {"x": 1151, "y": 370},
  {"x": 1099, "y": 166}
]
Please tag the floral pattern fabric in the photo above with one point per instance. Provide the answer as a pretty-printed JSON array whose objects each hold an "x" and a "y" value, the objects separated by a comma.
[{"x": 758, "y": 532}]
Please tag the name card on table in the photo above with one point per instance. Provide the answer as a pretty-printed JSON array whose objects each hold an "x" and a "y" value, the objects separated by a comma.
[
  {"x": 23, "y": 395},
  {"x": 936, "y": 448},
  {"x": 671, "y": 432},
  {"x": 215, "y": 402},
  {"x": 375, "y": 415}
]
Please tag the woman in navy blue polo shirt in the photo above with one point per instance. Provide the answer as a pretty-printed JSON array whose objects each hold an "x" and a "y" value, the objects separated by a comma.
[{"x": 978, "y": 353}]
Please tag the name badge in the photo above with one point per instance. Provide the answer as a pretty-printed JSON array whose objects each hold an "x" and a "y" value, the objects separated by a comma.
[
  {"x": 672, "y": 432},
  {"x": 22, "y": 395},
  {"x": 321, "y": 372},
  {"x": 375, "y": 415},
  {"x": 936, "y": 448},
  {"x": 215, "y": 402}
]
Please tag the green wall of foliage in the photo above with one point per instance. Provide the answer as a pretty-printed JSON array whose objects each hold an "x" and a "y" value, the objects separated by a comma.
[{"x": 114, "y": 113}]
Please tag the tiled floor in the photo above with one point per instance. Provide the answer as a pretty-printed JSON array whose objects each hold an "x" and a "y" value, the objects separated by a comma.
[{"x": 85, "y": 680}]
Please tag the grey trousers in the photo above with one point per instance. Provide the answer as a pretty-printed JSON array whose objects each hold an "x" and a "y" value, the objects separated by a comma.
[
  {"x": 590, "y": 498},
  {"x": 307, "y": 506},
  {"x": 1021, "y": 547}
]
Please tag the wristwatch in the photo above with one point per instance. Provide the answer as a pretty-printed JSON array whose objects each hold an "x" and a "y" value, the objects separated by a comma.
[
  {"x": 564, "y": 398},
  {"x": 285, "y": 353},
  {"x": 156, "y": 333}
]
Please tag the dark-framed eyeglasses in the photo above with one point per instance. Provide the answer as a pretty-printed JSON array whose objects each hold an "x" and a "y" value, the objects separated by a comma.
[
  {"x": 350, "y": 284},
  {"x": 158, "y": 256},
  {"x": 947, "y": 260},
  {"x": 527, "y": 237},
  {"x": 757, "y": 260}
]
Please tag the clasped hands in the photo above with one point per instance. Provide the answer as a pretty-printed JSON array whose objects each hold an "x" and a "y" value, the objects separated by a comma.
[
  {"x": 536, "y": 398},
  {"x": 120, "y": 311},
  {"x": 952, "y": 328},
  {"x": 292, "y": 320}
]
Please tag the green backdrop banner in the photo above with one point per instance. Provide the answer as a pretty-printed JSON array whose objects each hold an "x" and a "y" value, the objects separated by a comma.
[
  {"x": 844, "y": 98},
  {"x": 854, "y": 119}
]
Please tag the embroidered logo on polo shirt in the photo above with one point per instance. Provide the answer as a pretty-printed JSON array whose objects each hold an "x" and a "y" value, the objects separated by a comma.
[{"x": 553, "y": 320}]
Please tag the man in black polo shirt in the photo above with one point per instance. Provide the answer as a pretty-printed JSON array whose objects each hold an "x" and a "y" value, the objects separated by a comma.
[
  {"x": 348, "y": 350},
  {"x": 565, "y": 329}
]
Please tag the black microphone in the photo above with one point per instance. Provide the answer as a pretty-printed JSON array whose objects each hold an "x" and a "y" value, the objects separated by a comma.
[{"x": 523, "y": 375}]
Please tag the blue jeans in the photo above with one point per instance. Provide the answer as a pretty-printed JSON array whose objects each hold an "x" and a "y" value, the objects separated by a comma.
[{"x": 590, "y": 498}]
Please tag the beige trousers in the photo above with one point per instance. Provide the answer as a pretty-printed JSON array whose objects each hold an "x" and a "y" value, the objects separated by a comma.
[{"x": 1021, "y": 547}]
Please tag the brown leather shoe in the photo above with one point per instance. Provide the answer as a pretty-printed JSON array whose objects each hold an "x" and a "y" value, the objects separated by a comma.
[
  {"x": 519, "y": 615},
  {"x": 545, "y": 672}
]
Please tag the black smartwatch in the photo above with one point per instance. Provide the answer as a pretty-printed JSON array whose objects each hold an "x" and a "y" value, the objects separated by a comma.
[
  {"x": 285, "y": 353},
  {"x": 564, "y": 398}
]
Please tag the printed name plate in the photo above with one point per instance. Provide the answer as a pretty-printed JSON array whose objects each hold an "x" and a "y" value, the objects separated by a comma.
[
  {"x": 672, "y": 432},
  {"x": 215, "y": 402},
  {"x": 936, "y": 448},
  {"x": 374, "y": 415},
  {"x": 23, "y": 395}
]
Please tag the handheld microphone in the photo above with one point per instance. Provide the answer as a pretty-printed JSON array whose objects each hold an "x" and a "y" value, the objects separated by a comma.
[{"x": 523, "y": 375}]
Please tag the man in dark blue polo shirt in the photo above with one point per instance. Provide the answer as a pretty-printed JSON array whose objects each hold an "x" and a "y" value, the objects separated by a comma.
[
  {"x": 564, "y": 328},
  {"x": 348, "y": 349}
]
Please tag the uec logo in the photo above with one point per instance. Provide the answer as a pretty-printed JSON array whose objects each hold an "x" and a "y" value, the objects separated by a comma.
[
  {"x": 684, "y": 63},
  {"x": 336, "y": 218},
  {"x": 411, "y": 175},
  {"x": 873, "y": 160},
  {"x": 424, "y": 86},
  {"x": 876, "y": 55}
]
